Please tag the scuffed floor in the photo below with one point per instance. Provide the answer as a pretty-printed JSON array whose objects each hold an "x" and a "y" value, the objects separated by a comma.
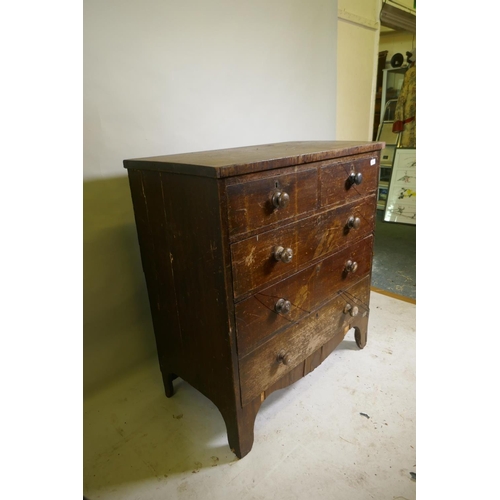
[{"x": 346, "y": 431}]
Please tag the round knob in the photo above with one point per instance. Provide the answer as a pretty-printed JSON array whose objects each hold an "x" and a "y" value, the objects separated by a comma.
[
  {"x": 352, "y": 310},
  {"x": 284, "y": 358},
  {"x": 351, "y": 266},
  {"x": 281, "y": 199},
  {"x": 355, "y": 178},
  {"x": 353, "y": 222},
  {"x": 283, "y": 254},
  {"x": 282, "y": 306}
]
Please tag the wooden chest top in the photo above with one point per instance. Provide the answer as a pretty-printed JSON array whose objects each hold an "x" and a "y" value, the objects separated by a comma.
[{"x": 222, "y": 163}]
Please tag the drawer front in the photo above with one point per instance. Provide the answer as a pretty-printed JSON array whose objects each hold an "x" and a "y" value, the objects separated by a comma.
[
  {"x": 258, "y": 203},
  {"x": 254, "y": 262},
  {"x": 266, "y": 312},
  {"x": 337, "y": 187},
  {"x": 272, "y": 360}
]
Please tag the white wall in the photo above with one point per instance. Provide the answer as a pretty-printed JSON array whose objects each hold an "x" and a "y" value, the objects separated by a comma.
[
  {"x": 169, "y": 76},
  {"x": 357, "y": 57}
]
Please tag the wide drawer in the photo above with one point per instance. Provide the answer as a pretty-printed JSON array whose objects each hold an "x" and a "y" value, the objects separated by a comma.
[
  {"x": 277, "y": 307},
  {"x": 253, "y": 259},
  {"x": 272, "y": 360},
  {"x": 256, "y": 203},
  {"x": 337, "y": 185}
]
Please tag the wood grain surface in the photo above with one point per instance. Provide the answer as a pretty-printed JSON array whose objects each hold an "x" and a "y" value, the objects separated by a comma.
[
  {"x": 222, "y": 163},
  {"x": 335, "y": 190},
  {"x": 182, "y": 248},
  {"x": 208, "y": 230},
  {"x": 261, "y": 368},
  {"x": 256, "y": 317},
  {"x": 250, "y": 203},
  {"x": 311, "y": 238}
]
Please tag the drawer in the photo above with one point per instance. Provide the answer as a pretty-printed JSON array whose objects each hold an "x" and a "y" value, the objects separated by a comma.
[
  {"x": 257, "y": 203},
  {"x": 265, "y": 313},
  {"x": 253, "y": 259},
  {"x": 337, "y": 187},
  {"x": 274, "y": 359}
]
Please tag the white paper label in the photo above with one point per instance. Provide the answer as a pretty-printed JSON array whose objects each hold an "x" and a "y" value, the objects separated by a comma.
[{"x": 373, "y": 161}]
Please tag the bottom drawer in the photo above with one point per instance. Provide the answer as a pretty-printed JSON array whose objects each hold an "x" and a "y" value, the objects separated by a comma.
[{"x": 268, "y": 363}]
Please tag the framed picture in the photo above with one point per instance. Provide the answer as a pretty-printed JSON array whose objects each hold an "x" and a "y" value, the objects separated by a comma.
[{"x": 401, "y": 203}]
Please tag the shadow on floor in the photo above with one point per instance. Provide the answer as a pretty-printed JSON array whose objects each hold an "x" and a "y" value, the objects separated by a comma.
[
  {"x": 133, "y": 433},
  {"x": 140, "y": 434}
]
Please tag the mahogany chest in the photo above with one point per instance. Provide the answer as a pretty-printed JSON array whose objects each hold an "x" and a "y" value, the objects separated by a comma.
[{"x": 257, "y": 262}]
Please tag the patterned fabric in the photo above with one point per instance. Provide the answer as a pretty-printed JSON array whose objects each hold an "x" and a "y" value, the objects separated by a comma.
[{"x": 406, "y": 109}]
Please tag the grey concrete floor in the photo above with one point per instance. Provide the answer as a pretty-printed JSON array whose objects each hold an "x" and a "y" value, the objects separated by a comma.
[
  {"x": 311, "y": 439},
  {"x": 394, "y": 259}
]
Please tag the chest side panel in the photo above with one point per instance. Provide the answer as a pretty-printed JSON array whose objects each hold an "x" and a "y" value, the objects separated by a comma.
[{"x": 182, "y": 247}]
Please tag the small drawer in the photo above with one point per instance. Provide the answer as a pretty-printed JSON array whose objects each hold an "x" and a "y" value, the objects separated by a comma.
[
  {"x": 280, "y": 306},
  {"x": 258, "y": 260},
  {"x": 343, "y": 181},
  {"x": 274, "y": 359},
  {"x": 260, "y": 202}
]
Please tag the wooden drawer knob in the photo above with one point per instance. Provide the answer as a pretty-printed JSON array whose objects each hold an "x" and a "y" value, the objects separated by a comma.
[
  {"x": 282, "y": 306},
  {"x": 281, "y": 199},
  {"x": 353, "y": 222},
  {"x": 284, "y": 358},
  {"x": 352, "y": 310},
  {"x": 351, "y": 266},
  {"x": 283, "y": 254},
  {"x": 355, "y": 178}
]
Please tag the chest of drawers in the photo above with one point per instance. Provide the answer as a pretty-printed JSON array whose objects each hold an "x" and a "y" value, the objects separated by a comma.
[{"x": 257, "y": 262}]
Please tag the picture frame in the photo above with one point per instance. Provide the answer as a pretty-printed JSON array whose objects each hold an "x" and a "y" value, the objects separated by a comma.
[{"x": 401, "y": 203}]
